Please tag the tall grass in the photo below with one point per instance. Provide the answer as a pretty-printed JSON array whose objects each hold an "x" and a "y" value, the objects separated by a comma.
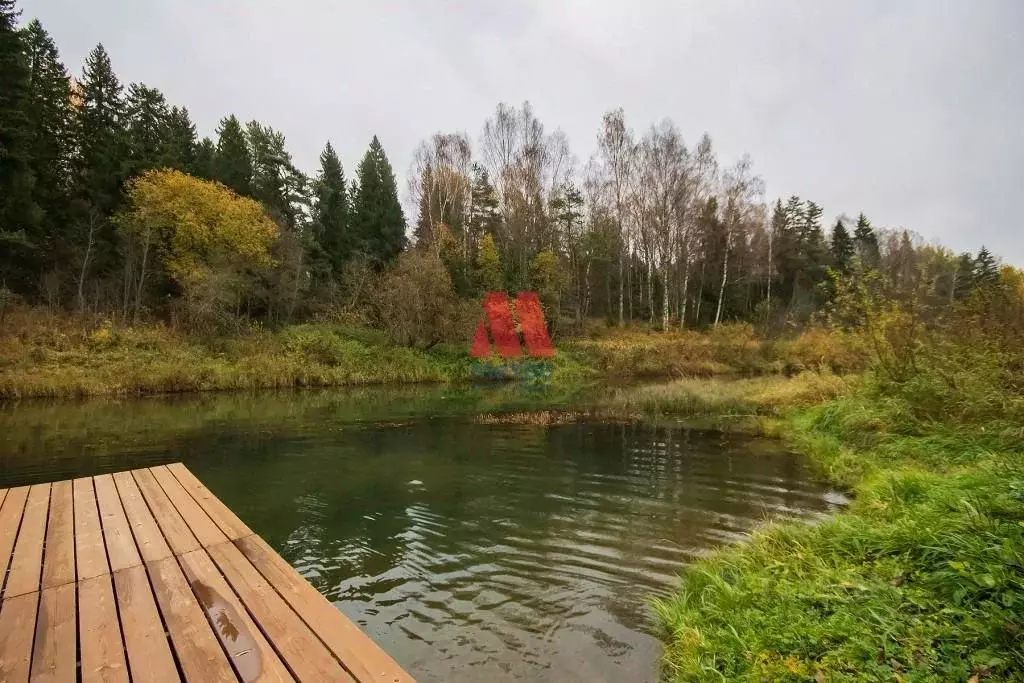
[
  {"x": 43, "y": 354},
  {"x": 60, "y": 357},
  {"x": 922, "y": 579}
]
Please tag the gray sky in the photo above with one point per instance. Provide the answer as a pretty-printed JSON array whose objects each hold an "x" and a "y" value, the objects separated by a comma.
[{"x": 910, "y": 110}]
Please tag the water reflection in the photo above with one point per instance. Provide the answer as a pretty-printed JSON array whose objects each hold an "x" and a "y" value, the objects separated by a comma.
[{"x": 473, "y": 552}]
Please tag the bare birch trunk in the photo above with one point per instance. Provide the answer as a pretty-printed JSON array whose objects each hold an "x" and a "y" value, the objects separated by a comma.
[{"x": 725, "y": 276}]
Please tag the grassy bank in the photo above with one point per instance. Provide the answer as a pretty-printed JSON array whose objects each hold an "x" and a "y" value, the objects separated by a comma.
[
  {"x": 46, "y": 355},
  {"x": 922, "y": 579}
]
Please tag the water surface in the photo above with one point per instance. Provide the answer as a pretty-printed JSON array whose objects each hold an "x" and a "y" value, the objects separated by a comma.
[{"x": 468, "y": 551}]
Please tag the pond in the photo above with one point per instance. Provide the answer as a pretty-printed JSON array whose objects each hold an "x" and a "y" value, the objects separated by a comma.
[{"x": 470, "y": 551}]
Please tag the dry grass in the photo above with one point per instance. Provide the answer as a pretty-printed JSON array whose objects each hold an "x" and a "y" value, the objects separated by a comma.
[{"x": 740, "y": 397}]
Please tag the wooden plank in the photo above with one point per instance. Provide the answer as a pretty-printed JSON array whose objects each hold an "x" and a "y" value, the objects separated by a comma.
[
  {"x": 10, "y": 520},
  {"x": 173, "y": 526},
  {"x": 364, "y": 658},
  {"x": 304, "y": 654},
  {"x": 198, "y": 650},
  {"x": 252, "y": 656},
  {"x": 55, "y": 654},
  {"x": 149, "y": 653},
  {"x": 148, "y": 538},
  {"x": 206, "y": 532},
  {"x": 117, "y": 534},
  {"x": 17, "y": 625},
  {"x": 59, "y": 562},
  {"x": 27, "y": 563},
  {"x": 90, "y": 553},
  {"x": 220, "y": 513},
  {"x": 99, "y": 632}
]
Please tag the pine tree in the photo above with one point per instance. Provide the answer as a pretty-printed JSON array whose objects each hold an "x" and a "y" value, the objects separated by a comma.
[
  {"x": 842, "y": 247},
  {"x": 19, "y": 214},
  {"x": 331, "y": 210},
  {"x": 179, "y": 141},
  {"x": 50, "y": 121},
  {"x": 148, "y": 125},
  {"x": 866, "y": 243},
  {"x": 275, "y": 180},
  {"x": 233, "y": 161},
  {"x": 205, "y": 160},
  {"x": 377, "y": 216}
]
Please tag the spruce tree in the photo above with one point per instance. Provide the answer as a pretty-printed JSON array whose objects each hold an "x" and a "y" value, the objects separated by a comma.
[
  {"x": 205, "y": 160},
  {"x": 426, "y": 217},
  {"x": 484, "y": 214},
  {"x": 50, "y": 142},
  {"x": 100, "y": 135},
  {"x": 866, "y": 242},
  {"x": 964, "y": 281},
  {"x": 377, "y": 216},
  {"x": 148, "y": 126},
  {"x": 98, "y": 168},
  {"x": 986, "y": 269},
  {"x": 331, "y": 210},
  {"x": 19, "y": 214},
  {"x": 842, "y": 247},
  {"x": 233, "y": 162}
]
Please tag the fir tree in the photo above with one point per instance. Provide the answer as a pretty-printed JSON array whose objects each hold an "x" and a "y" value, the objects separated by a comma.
[
  {"x": 148, "y": 127},
  {"x": 377, "y": 216},
  {"x": 866, "y": 242},
  {"x": 331, "y": 210},
  {"x": 842, "y": 247},
  {"x": 233, "y": 161},
  {"x": 19, "y": 215},
  {"x": 179, "y": 141}
]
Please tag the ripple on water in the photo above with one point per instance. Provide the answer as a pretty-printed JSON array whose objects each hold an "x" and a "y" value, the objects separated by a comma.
[{"x": 481, "y": 552}]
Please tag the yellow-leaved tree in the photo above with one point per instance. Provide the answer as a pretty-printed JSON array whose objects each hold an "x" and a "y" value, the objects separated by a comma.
[{"x": 207, "y": 240}]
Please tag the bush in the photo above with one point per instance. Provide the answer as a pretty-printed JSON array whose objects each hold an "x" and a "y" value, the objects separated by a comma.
[{"x": 416, "y": 305}]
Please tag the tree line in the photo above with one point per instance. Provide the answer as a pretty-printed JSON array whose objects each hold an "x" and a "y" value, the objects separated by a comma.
[{"x": 649, "y": 228}]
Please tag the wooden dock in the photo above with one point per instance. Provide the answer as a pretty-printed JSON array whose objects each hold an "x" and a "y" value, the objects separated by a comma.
[{"x": 145, "y": 575}]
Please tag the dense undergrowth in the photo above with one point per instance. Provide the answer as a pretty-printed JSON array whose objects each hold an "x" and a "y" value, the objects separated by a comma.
[
  {"x": 922, "y": 579},
  {"x": 43, "y": 354}
]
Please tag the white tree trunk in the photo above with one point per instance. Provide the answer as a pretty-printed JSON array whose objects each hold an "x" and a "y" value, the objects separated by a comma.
[
  {"x": 725, "y": 276},
  {"x": 664, "y": 296}
]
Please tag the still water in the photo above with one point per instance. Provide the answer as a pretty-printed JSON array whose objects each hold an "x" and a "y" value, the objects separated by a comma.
[{"x": 469, "y": 551}]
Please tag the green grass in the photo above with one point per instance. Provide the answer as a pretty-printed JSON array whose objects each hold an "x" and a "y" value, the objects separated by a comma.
[{"x": 922, "y": 579}]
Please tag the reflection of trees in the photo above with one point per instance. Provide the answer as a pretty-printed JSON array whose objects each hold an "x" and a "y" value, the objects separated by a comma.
[
  {"x": 526, "y": 516},
  {"x": 515, "y": 533}
]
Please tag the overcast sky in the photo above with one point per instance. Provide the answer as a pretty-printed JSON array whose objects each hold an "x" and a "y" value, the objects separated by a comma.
[{"x": 910, "y": 110}]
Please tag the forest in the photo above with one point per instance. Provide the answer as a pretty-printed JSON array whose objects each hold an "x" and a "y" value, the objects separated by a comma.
[{"x": 113, "y": 205}]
